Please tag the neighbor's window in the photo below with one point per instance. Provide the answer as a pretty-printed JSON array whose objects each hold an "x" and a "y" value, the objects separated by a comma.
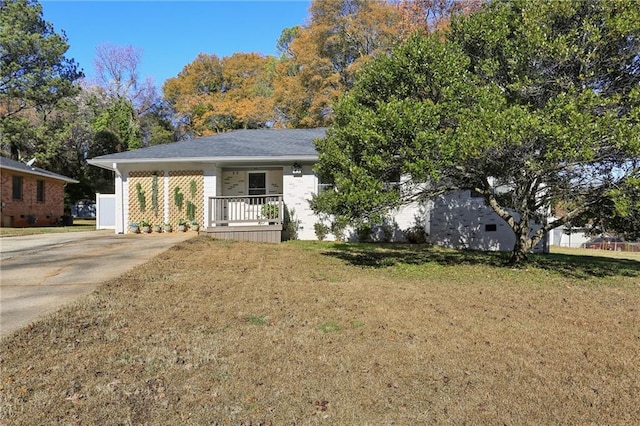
[
  {"x": 40, "y": 191},
  {"x": 491, "y": 227},
  {"x": 17, "y": 187}
]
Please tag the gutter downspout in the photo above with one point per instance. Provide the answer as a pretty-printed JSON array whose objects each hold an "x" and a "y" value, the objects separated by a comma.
[{"x": 120, "y": 226}]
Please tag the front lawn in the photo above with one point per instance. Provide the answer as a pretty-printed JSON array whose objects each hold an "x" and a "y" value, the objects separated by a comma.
[
  {"x": 78, "y": 225},
  {"x": 217, "y": 332}
]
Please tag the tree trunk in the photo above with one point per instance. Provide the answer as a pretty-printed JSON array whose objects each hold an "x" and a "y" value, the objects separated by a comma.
[
  {"x": 15, "y": 151},
  {"x": 518, "y": 256},
  {"x": 521, "y": 246}
]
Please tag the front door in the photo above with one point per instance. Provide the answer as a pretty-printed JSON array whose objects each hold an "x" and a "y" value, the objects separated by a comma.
[{"x": 257, "y": 183}]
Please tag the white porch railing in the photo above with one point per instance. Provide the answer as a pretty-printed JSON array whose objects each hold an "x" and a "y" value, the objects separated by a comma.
[{"x": 246, "y": 210}]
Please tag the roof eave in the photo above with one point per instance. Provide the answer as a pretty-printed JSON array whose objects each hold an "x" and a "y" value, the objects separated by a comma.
[
  {"x": 111, "y": 163},
  {"x": 38, "y": 173}
]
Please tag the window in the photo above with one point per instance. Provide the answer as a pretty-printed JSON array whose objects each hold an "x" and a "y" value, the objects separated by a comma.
[
  {"x": 393, "y": 177},
  {"x": 40, "y": 191},
  {"x": 490, "y": 227},
  {"x": 257, "y": 183},
  {"x": 323, "y": 184},
  {"x": 17, "y": 187}
]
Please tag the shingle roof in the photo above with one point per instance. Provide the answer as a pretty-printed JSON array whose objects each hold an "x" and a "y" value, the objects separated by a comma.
[
  {"x": 250, "y": 144},
  {"x": 9, "y": 164}
]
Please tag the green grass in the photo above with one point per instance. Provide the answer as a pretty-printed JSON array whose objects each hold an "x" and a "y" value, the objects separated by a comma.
[
  {"x": 330, "y": 327},
  {"x": 255, "y": 320},
  {"x": 357, "y": 324},
  {"x": 416, "y": 260}
]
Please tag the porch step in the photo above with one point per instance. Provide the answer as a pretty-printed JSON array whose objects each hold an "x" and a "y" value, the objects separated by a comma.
[{"x": 262, "y": 233}]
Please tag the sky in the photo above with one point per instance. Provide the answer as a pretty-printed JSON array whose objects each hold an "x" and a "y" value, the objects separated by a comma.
[{"x": 171, "y": 34}]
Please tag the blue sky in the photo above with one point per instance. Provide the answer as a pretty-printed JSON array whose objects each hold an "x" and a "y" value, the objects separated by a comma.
[{"x": 172, "y": 33}]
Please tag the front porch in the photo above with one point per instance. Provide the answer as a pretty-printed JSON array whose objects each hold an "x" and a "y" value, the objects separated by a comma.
[{"x": 246, "y": 218}]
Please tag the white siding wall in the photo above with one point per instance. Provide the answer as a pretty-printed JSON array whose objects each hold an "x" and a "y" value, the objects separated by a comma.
[
  {"x": 461, "y": 221},
  {"x": 212, "y": 186},
  {"x": 576, "y": 238},
  {"x": 458, "y": 220},
  {"x": 414, "y": 214},
  {"x": 298, "y": 190},
  {"x": 121, "y": 210}
]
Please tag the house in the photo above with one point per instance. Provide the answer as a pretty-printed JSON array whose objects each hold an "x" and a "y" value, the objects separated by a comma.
[
  {"x": 31, "y": 196},
  {"x": 566, "y": 236},
  {"x": 462, "y": 219},
  {"x": 236, "y": 184},
  {"x": 243, "y": 184}
]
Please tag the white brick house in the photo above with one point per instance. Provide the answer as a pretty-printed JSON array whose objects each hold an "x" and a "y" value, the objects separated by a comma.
[{"x": 230, "y": 177}]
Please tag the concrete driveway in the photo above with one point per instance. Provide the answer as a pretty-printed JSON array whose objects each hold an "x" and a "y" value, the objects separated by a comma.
[{"x": 41, "y": 273}]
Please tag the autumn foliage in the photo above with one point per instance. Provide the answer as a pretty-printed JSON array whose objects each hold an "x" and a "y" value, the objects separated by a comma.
[
  {"x": 216, "y": 94},
  {"x": 318, "y": 63}
]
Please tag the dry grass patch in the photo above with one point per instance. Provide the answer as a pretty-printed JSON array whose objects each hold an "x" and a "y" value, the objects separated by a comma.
[
  {"x": 216, "y": 332},
  {"x": 78, "y": 225}
]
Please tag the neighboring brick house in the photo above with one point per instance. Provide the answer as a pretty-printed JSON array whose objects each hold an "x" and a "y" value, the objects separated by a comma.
[{"x": 30, "y": 196}]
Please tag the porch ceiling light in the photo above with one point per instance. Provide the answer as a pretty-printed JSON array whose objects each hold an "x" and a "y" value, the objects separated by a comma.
[{"x": 297, "y": 168}]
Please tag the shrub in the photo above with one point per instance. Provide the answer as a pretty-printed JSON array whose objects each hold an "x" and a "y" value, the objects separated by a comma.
[
  {"x": 270, "y": 211},
  {"x": 291, "y": 225},
  {"x": 337, "y": 229},
  {"x": 415, "y": 235},
  {"x": 321, "y": 230},
  {"x": 386, "y": 233},
  {"x": 364, "y": 232}
]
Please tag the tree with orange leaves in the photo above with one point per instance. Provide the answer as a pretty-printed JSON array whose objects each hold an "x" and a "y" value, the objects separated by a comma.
[
  {"x": 318, "y": 63},
  {"x": 322, "y": 58},
  {"x": 212, "y": 94},
  {"x": 428, "y": 16}
]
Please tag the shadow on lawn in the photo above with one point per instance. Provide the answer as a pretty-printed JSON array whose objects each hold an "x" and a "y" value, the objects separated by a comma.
[{"x": 387, "y": 255}]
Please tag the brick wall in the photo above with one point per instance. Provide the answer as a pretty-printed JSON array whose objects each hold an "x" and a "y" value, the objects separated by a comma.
[{"x": 28, "y": 211}]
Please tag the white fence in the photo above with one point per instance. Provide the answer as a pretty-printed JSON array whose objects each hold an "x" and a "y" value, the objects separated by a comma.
[{"x": 105, "y": 211}]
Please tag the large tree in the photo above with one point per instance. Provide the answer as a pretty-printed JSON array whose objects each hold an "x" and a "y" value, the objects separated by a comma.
[
  {"x": 213, "y": 94},
  {"x": 76, "y": 141},
  {"x": 619, "y": 214},
  {"x": 322, "y": 57},
  {"x": 318, "y": 63},
  {"x": 529, "y": 103},
  {"x": 35, "y": 75},
  {"x": 428, "y": 16},
  {"x": 117, "y": 74}
]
